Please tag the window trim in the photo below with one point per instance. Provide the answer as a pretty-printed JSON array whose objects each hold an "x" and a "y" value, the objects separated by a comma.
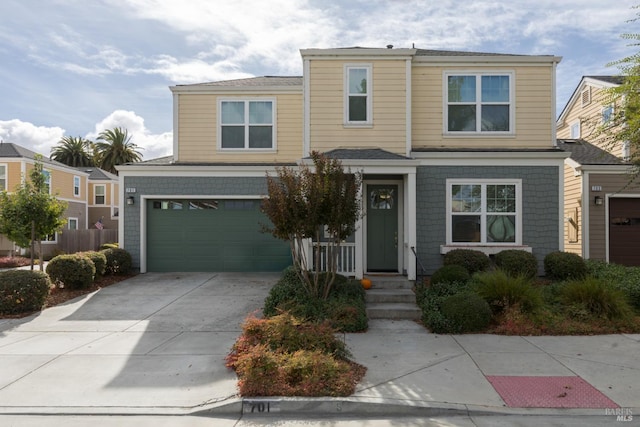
[
  {"x": 368, "y": 67},
  {"x": 71, "y": 218},
  {"x": 483, "y": 213},
  {"x": 579, "y": 126},
  {"x": 247, "y": 149},
  {"x": 478, "y": 75},
  {"x": 95, "y": 194},
  {"x": 6, "y": 172},
  {"x": 47, "y": 179},
  {"x": 76, "y": 177}
]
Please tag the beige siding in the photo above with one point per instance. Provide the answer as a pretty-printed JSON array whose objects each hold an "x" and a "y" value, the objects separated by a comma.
[
  {"x": 533, "y": 108},
  {"x": 197, "y": 129},
  {"x": 572, "y": 210},
  {"x": 590, "y": 118},
  {"x": 612, "y": 184},
  {"x": 14, "y": 175},
  {"x": 327, "y": 128}
]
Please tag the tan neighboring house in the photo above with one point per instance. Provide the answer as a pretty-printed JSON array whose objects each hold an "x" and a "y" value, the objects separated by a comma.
[
  {"x": 602, "y": 206},
  {"x": 72, "y": 185},
  {"x": 457, "y": 150}
]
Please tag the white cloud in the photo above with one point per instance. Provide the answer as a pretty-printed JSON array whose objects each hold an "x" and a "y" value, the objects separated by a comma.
[
  {"x": 151, "y": 145},
  {"x": 39, "y": 139}
]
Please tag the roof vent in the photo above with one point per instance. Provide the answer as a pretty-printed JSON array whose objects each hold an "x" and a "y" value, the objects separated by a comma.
[
  {"x": 586, "y": 96},
  {"x": 389, "y": 46}
]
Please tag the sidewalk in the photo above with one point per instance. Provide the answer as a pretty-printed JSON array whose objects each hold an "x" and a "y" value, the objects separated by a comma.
[{"x": 155, "y": 345}]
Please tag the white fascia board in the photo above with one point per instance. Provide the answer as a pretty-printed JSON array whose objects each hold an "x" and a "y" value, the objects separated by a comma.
[
  {"x": 608, "y": 169},
  {"x": 573, "y": 164},
  {"x": 201, "y": 171},
  {"x": 486, "y": 60},
  {"x": 490, "y": 158},
  {"x": 258, "y": 90},
  {"x": 358, "y": 53}
]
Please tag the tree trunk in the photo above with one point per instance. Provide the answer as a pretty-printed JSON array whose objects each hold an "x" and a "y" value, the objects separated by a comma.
[{"x": 33, "y": 240}]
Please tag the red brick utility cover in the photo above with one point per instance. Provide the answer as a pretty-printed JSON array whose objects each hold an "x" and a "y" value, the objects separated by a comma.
[{"x": 549, "y": 392}]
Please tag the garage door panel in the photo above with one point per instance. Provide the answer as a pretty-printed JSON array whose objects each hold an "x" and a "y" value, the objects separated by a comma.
[
  {"x": 225, "y": 238},
  {"x": 624, "y": 231}
]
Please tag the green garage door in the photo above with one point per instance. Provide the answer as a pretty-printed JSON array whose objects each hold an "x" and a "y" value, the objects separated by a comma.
[{"x": 211, "y": 235}]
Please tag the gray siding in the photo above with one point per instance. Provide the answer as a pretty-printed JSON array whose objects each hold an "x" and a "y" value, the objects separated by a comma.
[
  {"x": 540, "y": 205},
  {"x": 184, "y": 186}
]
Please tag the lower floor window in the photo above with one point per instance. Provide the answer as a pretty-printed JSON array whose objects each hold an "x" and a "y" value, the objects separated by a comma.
[{"x": 484, "y": 211}]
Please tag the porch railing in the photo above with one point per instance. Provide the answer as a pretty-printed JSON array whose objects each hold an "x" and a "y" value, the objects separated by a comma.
[{"x": 346, "y": 257}]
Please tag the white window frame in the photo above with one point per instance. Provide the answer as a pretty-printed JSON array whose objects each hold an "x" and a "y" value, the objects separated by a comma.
[
  {"x": 70, "y": 220},
  {"x": 76, "y": 186},
  {"x": 247, "y": 101},
  {"x": 369, "y": 95},
  {"x": 573, "y": 134},
  {"x": 607, "y": 114},
  {"x": 95, "y": 194},
  {"x": 3, "y": 176},
  {"x": 478, "y": 102},
  {"x": 47, "y": 179},
  {"x": 483, "y": 211}
]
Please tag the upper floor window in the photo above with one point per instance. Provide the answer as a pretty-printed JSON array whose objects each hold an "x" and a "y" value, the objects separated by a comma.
[
  {"x": 99, "y": 195},
  {"x": 47, "y": 181},
  {"x": 478, "y": 103},
  {"x": 357, "y": 91},
  {"x": 484, "y": 212},
  {"x": 76, "y": 186},
  {"x": 247, "y": 125},
  {"x": 575, "y": 130},
  {"x": 607, "y": 114},
  {"x": 3, "y": 177}
]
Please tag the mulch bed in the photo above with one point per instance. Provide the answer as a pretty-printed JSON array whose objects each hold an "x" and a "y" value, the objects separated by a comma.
[{"x": 60, "y": 295}]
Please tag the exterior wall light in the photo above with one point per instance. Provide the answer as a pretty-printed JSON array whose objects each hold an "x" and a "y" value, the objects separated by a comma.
[
  {"x": 598, "y": 200},
  {"x": 130, "y": 200}
]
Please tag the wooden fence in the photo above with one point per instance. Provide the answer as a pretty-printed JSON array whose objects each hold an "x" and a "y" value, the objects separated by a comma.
[{"x": 70, "y": 241}]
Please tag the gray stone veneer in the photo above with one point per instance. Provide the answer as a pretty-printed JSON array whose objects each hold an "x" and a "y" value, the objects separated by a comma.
[
  {"x": 183, "y": 186},
  {"x": 540, "y": 204}
]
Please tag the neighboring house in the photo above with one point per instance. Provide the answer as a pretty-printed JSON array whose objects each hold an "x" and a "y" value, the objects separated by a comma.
[
  {"x": 67, "y": 183},
  {"x": 103, "y": 198},
  {"x": 602, "y": 205},
  {"x": 457, "y": 150}
]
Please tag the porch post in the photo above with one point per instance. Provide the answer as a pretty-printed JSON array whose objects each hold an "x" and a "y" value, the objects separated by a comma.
[
  {"x": 410, "y": 215},
  {"x": 359, "y": 240}
]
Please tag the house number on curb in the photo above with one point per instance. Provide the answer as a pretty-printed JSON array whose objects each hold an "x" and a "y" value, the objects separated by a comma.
[{"x": 260, "y": 406}]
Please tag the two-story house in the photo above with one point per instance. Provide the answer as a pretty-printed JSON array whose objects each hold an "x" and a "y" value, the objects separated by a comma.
[
  {"x": 457, "y": 150},
  {"x": 602, "y": 203},
  {"x": 75, "y": 186}
]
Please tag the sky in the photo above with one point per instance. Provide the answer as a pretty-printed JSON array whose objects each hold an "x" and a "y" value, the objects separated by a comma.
[{"x": 78, "y": 67}]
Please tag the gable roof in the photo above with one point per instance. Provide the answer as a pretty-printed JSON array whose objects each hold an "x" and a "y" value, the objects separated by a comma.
[
  {"x": 273, "y": 82},
  {"x": 363, "y": 154},
  {"x": 588, "y": 154},
  {"x": 97, "y": 174},
  {"x": 597, "y": 81},
  {"x": 11, "y": 150}
]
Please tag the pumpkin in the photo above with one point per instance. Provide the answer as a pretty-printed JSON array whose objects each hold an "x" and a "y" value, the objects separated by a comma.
[{"x": 366, "y": 283}]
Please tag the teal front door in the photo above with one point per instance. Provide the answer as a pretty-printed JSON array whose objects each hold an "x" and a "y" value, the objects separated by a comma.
[{"x": 382, "y": 227}]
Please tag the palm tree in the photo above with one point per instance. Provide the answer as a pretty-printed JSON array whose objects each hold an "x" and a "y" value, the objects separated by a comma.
[
  {"x": 114, "y": 147},
  {"x": 73, "y": 151}
]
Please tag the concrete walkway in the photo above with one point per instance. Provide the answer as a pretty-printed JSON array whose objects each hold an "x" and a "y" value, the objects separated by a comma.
[{"x": 155, "y": 345}]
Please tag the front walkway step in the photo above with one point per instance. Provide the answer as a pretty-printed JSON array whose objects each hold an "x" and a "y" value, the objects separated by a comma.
[
  {"x": 393, "y": 311},
  {"x": 390, "y": 295}
]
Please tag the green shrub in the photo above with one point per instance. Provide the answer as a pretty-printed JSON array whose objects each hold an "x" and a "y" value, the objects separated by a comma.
[
  {"x": 470, "y": 259},
  {"x": 431, "y": 302},
  {"x": 109, "y": 246},
  {"x": 449, "y": 274},
  {"x": 72, "y": 271},
  {"x": 118, "y": 261},
  {"x": 564, "y": 266},
  {"x": 627, "y": 279},
  {"x": 14, "y": 261},
  {"x": 344, "y": 309},
  {"x": 465, "y": 312},
  {"x": 23, "y": 291},
  {"x": 517, "y": 262},
  {"x": 597, "y": 298},
  {"x": 99, "y": 261},
  {"x": 502, "y": 291}
]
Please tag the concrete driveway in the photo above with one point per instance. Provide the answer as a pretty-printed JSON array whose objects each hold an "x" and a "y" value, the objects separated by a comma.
[{"x": 152, "y": 343}]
